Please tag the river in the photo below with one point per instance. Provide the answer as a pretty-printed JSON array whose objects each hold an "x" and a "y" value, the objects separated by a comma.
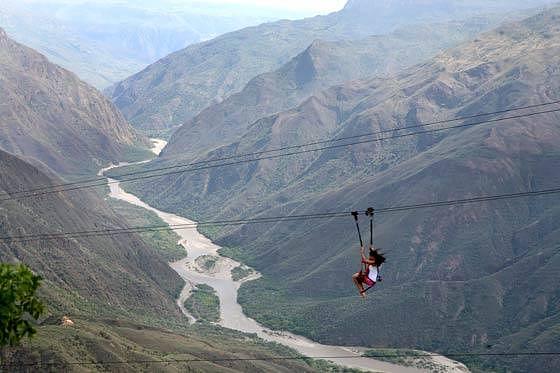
[{"x": 231, "y": 313}]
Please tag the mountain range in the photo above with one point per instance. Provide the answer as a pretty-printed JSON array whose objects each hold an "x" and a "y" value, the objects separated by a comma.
[
  {"x": 458, "y": 278},
  {"x": 176, "y": 88},
  {"x": 320, "y": 66},
  {"x": 104, "y": 42}
]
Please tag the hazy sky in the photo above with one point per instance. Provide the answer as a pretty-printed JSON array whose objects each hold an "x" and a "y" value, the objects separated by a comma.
[
  {"x": 259, "y": 10},
  {"x": 310, "y": 6},
  {"x": 270, "y": 8}
]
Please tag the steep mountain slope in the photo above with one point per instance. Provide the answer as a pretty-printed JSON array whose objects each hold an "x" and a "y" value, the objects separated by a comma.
[
  {"x": 458, "y": 278},
  {"x": 321, "y": 65},
  {"x": 494, "y": 71},
  {"x": 48, "y": 114},
  {"x": 106, "y": 41},
  {"x": 176, "y": 88},
  {"x": 120, "y": 271}
]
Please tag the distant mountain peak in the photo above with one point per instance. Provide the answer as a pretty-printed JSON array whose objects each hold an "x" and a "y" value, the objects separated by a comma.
[
  {"x": 317, "y": 43},
  {"x": 307, "y": 62},
  {"x": 317, "y": 48},
  {"x": 352, "y": 4},
  {"x": 314, "y": 61},
  {"x": 393, "y": 14},
  {"x": 177, "y": 88}
]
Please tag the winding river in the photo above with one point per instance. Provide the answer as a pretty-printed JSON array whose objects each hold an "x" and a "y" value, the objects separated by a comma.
[{"x": 232, "y": 316}]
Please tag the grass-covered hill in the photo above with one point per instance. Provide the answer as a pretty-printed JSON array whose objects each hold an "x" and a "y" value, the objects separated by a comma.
[
  {"x": 49, "y": 115},
  {"x": 124, "y": 343},
  {"x": 458, "y": 278},
  {"x": 176, "y": 88}
]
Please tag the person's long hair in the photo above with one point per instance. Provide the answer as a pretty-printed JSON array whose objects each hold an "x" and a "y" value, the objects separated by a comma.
[{"x": 379, "y": 257}]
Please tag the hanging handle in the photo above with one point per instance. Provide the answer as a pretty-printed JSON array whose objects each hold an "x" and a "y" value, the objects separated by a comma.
[
  {"x": 371, "y": 212},
  {"x": 355, "y": 215}
]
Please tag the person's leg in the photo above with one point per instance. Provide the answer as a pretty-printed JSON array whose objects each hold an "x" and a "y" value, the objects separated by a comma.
[
  {"x": 355, "y": 279},
  {"x": 369, "y": 283},
  {"x": 358, "y": 283}
]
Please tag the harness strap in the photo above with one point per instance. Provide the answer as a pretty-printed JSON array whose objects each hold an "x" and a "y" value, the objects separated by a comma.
[
  {"x": 355, "y": 215},
  {"x": 370, "y": 212}
]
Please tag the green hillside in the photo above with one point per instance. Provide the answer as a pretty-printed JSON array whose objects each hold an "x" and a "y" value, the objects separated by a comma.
[
  {"x": 165, "y": 242},
  {"x": 128, "y": 342}
]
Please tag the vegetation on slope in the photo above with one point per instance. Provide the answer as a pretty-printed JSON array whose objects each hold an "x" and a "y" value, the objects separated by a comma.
[
  {"x": 204, "y": 304},
  {"x": 125, "y": 342},
  {"x": 241, "y": 272},
  {"x": 121, "y": 271},
  {"x": 165, "y": 242}
]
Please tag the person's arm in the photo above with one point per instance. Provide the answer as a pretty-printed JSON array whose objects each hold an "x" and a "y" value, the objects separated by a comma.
[{"x": 365, "y": 259}]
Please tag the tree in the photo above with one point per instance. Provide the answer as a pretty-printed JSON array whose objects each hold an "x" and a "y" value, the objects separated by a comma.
[{"x": 19, "y": 305}]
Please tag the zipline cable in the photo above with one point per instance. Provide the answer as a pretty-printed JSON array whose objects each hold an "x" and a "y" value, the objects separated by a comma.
[
  {"x": 175, "y": 227},
  {"x": 310, "y": 144},
  {"x": 428, "y": 124},
  {"x": 60, "y": 187},
  {"x": 275, "y": 219},
  {"x": 287, "y": 358}
]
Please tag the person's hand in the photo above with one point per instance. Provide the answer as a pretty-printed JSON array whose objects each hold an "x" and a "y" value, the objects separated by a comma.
[{"x": 363, "y": 249}]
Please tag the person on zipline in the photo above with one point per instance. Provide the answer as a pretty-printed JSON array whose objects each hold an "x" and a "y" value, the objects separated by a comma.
[{"x": 370, "y": 274}]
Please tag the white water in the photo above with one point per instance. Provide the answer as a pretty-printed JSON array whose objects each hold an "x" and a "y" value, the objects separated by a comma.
[{"x": 231, "y": 313}]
